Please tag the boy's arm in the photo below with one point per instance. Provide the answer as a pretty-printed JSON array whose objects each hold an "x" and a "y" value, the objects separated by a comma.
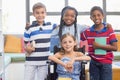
[
  {"x": 113, "y": 41},
  {"x": 29, "y": 48},
  {"x": 83, "y": 28},
  {"x": 55, "y": 31},
  {"x": 112, "y": 46},
  {"x": 82, "y": 36}
]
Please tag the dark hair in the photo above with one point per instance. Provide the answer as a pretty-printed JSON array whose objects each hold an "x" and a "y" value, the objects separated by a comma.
[
  {"x": 38, "y": 5},
  {"x": 64, "y": 36},
  {"x": 96, "y": 8},
  {"x": 62, "y": 23}
]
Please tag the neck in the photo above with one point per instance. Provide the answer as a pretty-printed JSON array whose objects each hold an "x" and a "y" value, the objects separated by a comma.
[
  {"x": 69, "y": 52},
  {"x": 99, "y": 27}
]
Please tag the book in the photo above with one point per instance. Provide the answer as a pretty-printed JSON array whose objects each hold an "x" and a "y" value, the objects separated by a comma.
[
  {"x": 61, "y": 78},
  {"x": 102, "y": 41}
]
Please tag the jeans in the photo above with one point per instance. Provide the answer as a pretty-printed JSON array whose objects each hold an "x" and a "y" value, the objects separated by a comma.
[{"x": 100, "y": 71}]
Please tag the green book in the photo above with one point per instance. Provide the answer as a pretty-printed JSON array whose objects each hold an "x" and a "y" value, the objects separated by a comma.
[{"x": 102, "y": 41}]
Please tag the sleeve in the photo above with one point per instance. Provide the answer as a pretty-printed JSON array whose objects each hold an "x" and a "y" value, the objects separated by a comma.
[
  {"x": 83, "y": 37},
  {"x": 26, "y": 36},
  {"x": 55, "y": 31},
  {"x": 112, "y": 36}
]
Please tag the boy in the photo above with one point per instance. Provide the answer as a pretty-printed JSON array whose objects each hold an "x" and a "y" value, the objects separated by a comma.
[
  {"x": 99, "y": 33},
  {"x": 38, "y": 35}
]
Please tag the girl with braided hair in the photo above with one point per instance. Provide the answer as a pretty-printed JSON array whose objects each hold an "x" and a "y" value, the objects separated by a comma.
[{"x": 68, "y": 24}]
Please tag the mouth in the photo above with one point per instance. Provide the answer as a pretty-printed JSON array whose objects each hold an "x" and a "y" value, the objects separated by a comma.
[
  {"x": 68, "y": 21},
  {"x": 97, "y": 21}
]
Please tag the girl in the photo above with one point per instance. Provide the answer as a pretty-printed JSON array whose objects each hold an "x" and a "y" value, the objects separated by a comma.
[
  {"x": 100, "y": 65},
  {"x": 68, "y": 59},
  {"x": 68, "y": 24}
]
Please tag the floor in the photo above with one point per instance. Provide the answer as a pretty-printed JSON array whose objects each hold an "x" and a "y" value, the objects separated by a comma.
[{"x": 15, "y": 71}]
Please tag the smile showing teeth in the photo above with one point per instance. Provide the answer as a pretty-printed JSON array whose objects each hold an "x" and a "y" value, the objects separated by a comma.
[
  {"x": 68, "y": 21},
  {"x": 96, "y": 20}
]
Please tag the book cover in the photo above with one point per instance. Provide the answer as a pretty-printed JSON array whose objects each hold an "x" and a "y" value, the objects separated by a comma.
[
  {"x": 61, "y": 78},
  {"x": 102, "y": 41}
]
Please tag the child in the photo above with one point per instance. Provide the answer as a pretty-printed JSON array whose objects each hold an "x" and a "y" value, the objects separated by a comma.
[
  {"x": 100, "y": 65},
  {"x": 38, "y": 35},
  {"x": 68, "y": 23},
  {"x": 68, "y": 59}
]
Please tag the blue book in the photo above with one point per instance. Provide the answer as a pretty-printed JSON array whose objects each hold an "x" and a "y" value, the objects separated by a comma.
[{"x": 102, "y": 41}]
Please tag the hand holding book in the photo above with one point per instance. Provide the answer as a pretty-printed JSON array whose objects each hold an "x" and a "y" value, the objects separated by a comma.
[{"x": 99, "y": 41}]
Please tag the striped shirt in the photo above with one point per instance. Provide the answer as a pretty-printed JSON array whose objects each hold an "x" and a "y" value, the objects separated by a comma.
[
  {"x": 90, "y": 35},
  {"x": 41, "y": 35}
]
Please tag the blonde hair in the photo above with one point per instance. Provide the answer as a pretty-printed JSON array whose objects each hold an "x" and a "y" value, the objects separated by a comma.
[
  {"x": 38, "y": 5},
  {"x": 64, "y": 36}
]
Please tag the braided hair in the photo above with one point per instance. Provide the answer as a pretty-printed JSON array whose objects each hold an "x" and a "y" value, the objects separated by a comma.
[{"x": 62, "y": 23}]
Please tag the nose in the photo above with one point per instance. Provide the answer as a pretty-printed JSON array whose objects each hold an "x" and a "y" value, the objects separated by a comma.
[{"x": 67, "y": 43}]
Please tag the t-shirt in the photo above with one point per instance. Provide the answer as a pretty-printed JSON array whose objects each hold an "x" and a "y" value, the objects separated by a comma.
[
  {"x": 41, "y": 35},
  {"x": 90, "y": 35}
]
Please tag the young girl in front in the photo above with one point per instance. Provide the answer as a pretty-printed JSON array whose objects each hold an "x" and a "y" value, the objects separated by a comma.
[
  {"x": 100, "y": 65},
  {"x": 68, "y": 59}
]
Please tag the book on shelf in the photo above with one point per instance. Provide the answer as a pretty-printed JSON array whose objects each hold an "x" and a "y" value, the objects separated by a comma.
[{"x": 102, "y": 41}]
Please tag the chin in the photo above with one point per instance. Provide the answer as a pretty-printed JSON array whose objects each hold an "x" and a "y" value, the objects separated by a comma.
[{"x": 68, "y": 24}]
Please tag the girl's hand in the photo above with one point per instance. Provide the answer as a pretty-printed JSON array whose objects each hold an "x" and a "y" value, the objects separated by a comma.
[{"x": 69, "y": 67}]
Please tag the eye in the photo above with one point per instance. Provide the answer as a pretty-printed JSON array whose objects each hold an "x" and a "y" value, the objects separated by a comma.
[
  {"x": 64, "y": 42},
  {"x": 70, "y": 41},
  {"x": 42, "y": 12}
]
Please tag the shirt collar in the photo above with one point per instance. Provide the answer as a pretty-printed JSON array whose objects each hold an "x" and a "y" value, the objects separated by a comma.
[
  {"x": 92, "y": 29},
  {"x": 35, "y": 23}
]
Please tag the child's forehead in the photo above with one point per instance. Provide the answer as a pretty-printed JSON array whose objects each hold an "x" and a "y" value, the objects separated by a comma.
[
  {"x": 69, "y": 10},
  {"x": 67, "y": 38},
  {"x": 97, "y": 12}
]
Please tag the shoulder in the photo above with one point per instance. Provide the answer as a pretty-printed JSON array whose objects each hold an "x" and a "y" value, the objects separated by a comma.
[
  {"x": 108, "y": 26},
  {"x": 59, "y": 55},
  {"x": 82, "y": 25},
  {"x": 79, "y": 54},
  {"x": 28, "y": 26},
  {"x": 48, "y": 23}
]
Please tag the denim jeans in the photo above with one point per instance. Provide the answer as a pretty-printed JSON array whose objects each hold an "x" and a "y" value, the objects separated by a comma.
[{"x": 100, "y": 71}]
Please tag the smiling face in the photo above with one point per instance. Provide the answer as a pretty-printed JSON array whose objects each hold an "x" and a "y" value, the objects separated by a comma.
[
  {"x": 68, "y": 43},
  {"x": 39, "y": 14},
  {"x": 69, "y": 17},
  {"x": 97, "y": 17}
]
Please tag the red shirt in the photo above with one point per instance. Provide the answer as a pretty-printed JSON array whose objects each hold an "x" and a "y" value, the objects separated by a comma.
[{"x": 90, "y": 35}]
